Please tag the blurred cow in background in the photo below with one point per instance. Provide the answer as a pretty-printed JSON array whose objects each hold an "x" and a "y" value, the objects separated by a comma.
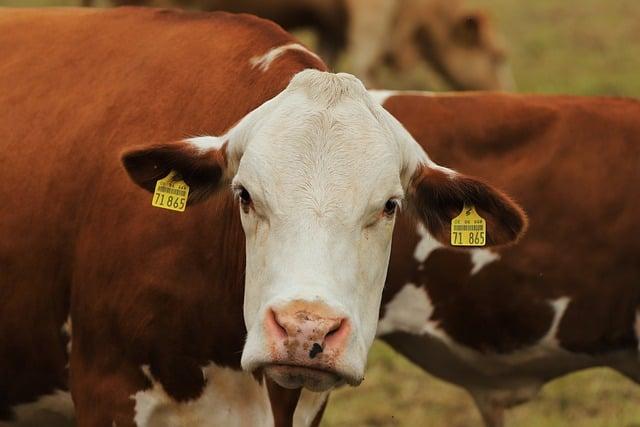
[{"x": 459, "y": 44}]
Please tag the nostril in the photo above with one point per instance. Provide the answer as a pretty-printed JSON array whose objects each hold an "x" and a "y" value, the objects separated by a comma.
[
  {"x": 334, "y": 329},
  {"x": 274, "y": 326},
  {"x": 337, "y": 335},
  {"x": 315, "y": 350}
]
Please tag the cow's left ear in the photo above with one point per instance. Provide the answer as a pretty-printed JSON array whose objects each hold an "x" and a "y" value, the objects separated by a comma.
[
  {"x": 439, "y": 194},
  {"x": 203, "y": 170}
]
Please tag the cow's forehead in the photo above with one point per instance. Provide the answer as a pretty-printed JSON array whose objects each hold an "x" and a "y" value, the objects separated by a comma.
[
  {"x": 301, "y": 133},
  {"x": 327, "y": 155}
]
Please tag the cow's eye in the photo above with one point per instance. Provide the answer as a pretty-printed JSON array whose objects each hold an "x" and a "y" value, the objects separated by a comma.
[
  {"x": 244, "y": 197},
  {"x": 390, "y": 207}
]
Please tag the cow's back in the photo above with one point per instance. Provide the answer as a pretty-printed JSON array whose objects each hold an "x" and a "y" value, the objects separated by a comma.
[
  {"x": 572, "y": 282},
  {"x": 327, "y": 16},
  {"x": 77, "y": 86}
]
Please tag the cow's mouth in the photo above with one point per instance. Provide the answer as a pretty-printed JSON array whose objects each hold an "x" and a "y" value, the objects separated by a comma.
[{"x": 295, "y": 376}]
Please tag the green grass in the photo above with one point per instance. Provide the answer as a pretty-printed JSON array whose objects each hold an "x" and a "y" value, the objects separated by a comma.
[
  {"x": 396, "y": 393},
  {"x": 584, "y": 47}
]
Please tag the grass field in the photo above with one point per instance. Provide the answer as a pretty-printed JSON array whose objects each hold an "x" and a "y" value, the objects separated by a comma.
[
  {"x": 584, "y": 47},
  {"x": 396, "y": 393}
]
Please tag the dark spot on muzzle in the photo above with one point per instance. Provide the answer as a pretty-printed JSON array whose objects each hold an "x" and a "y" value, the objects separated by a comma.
[{"x": 315, "y": 350}]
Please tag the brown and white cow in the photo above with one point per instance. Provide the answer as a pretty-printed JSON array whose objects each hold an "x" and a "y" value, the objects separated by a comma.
[
  {"x": 502, "y": 323},
  {"x": 138, "y": 311},
  {"x": 459, "y": 44}
]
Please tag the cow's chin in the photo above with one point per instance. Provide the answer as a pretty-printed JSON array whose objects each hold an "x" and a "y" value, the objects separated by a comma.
[{"x": 292, "y": 377}]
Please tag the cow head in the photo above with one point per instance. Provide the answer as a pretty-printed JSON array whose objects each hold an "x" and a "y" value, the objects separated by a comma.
[
  {"x": 320, "y": 172},
  {"x": 465, "y": 49}
]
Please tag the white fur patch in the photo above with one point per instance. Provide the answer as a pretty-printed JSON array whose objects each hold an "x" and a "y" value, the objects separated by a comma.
[
  {"x": 52, "y": 410},
  {"x": 482, "y": 257},
  {"x": 559, "y": 307},
  {"x": 230, "y": 398},
  {"x": 319, "y": 166},
  {"x": 381, "y": 96},
  {"x": 426, "y": 245},
  {"x": 308, "y": 407},
  {"x": 264, "y": 61},
  {"x": 447, "y": 171},
  {"x": 206, "y": 143},
  {"x": 67, "y": 331},
  {"x": 409, "y": 311}
]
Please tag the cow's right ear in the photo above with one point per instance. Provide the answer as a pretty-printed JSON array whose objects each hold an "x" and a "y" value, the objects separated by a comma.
[{"x": 203, "y": 170}]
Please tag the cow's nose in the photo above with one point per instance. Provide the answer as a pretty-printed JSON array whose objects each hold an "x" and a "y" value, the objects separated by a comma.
[{"x": 311, "y": 329}]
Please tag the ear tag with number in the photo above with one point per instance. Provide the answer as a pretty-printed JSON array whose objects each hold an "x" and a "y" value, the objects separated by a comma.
[
  {"x": 171, "y": 193},
  {"x": 468, "y": 228}
]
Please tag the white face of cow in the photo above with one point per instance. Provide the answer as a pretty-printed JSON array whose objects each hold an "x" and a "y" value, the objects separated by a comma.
[
  {"x": 319, "y": 172},
  {"x": 323, "y": 176}
]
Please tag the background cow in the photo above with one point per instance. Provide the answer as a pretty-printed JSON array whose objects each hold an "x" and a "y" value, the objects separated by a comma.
[
  {"x": 144, "y": 307},
  {"x": 501, "y": 323},
  {"x": 460, "y": 45}
]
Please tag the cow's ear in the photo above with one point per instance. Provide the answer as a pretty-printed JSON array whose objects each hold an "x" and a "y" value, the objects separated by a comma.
[
  {"x": 439, "y": 194},
  {"x": 202, "y": 169}
]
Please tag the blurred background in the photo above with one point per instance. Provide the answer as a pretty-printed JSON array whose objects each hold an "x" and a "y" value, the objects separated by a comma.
[{"x": 586, "y": 47}]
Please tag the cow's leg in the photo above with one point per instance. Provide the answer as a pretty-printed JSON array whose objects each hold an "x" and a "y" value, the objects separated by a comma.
[
  {"x": 627, "y": 365},
  {"x": 102, "y": 391},
  {"x": 310, "y": 408},
  {"x": 492, "y": 402},
  {"x": 320, "y": 413},
  {"x": 283, "y": 403},
  {"x": 435, "y": 357},
  {"x": 296, "y": 408},
  {"x": 491, "y": 410},
  {"x": 369, "y": 27}
]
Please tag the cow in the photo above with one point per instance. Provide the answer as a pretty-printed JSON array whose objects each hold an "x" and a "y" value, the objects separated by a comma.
[
  {"x": 458, "y": 43},
  {"x": 264, "y": 294},
  {"x": 502, "y": 323}
]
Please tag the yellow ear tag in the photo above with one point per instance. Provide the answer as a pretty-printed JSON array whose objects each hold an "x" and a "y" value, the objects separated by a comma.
[
  {"x": 171, "y": 193},
  {"x": 468, "y": 228}
]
